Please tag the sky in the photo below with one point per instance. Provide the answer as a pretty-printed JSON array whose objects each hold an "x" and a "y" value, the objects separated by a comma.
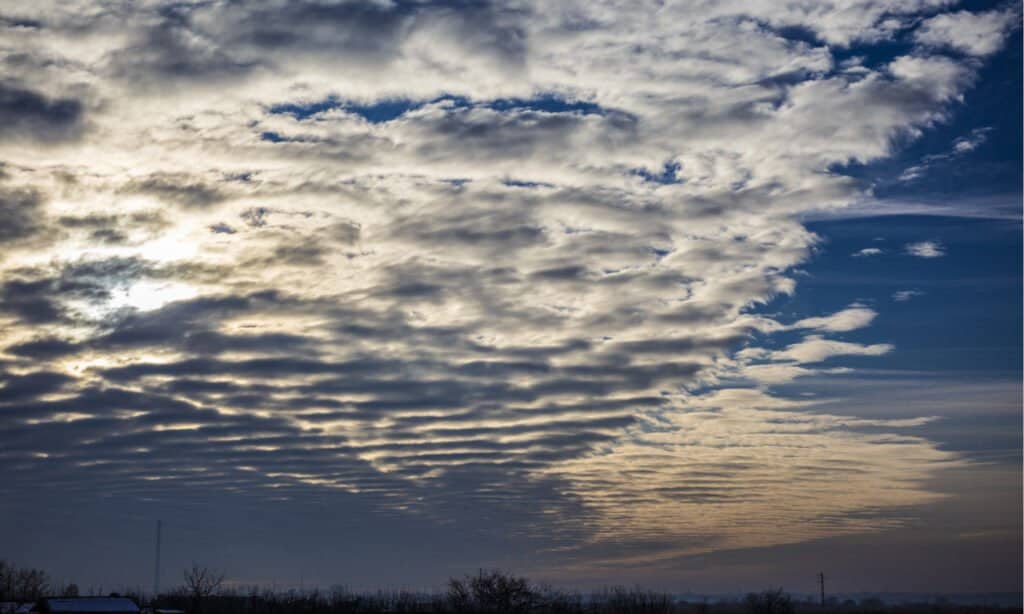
[{"x": 704, "y": 296}]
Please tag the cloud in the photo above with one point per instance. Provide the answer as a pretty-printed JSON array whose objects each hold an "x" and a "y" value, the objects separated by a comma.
[
  {"x": 925, "y": 249},
  {"x": 903, "y": 296},
  {"x": 851, "y": 318},
  {"x": 977, "y": 34},
  {"x": 961, "y": 147},
  {"x": 867, "y": 251},
  {"x": 22, "y": 212},
  {"x": 971, "y": 142},
  {"x": 31, "y": 115},
  {"x": 124, "y": 229},
  {"x": 447, "y": 259},
  {"x": 815, "y": 348},
  {"x": 176, "y": 188},
  {"x": 733, "y": 480}
]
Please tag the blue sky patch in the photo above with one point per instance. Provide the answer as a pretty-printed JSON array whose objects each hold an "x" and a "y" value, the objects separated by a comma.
[{"x": 390, "y": 109}]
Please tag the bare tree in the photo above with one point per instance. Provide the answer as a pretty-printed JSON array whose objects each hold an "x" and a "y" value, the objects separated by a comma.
[
  {"x": 32, "y": 583},
  {"x": 201, "y": 582},
  {"x": 492, "y": 591},
  {"x": 6, "y": 581},
  {"x": 22, "y": 584},
  {"x": 8, "y": 575}
]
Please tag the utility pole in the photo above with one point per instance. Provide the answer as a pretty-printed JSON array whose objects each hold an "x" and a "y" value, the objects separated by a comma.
[
  {"x": 821, "y": 585},
  {"x": 156, "y": 571}
]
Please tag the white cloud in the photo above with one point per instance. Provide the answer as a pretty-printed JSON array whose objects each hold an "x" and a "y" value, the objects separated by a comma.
[
  {"x": 961, "y": 146},
  {"x": 925, "y": 249},
  {"x": 868, "y": 251},
  {"x": 972, "y": 141},
  {"x": 815, "y": 348},
  {"x": 902, "y": 296},
  {"x": 912, "y": 173},
  {"x": 978, "y": 34},
  {"x": 851, "y": 318}
]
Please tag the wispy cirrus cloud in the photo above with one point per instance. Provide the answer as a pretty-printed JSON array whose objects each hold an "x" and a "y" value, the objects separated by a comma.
[
  {"x": 902, "y": 296},
  {"x": 961, "y": 146}
]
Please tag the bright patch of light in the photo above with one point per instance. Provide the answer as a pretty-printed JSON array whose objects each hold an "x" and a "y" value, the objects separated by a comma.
[
  {"x": 147, "y": 295},
  {"x": 168, "y": 248}
]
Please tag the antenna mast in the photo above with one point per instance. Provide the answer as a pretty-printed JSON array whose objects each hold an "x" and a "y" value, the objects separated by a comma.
[
  {"x": 821, "y": 585},
  {"x": 156, "y": 571}
]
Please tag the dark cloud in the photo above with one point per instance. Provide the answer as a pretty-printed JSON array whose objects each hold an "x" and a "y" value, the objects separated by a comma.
[
  {"x": 680, "y": 345},
  {"x": 39, "y": 383},
  {"x": 20, "y": 22},
  {"x": 172, "y": 50},
  {"x": 31, "y": 115},
  {"x": 33, "y": 301},
  {"x": 308, "y": 253},
  {"x": 21, "y": 212},
  {"x": 487, "y": 134},
  {"x": 210, "y": 44},
  {"x": 255, "y": 217},
  {"x": 172, "y": 324},
  {"x": 110, "y": 236},
  {"x": 110, "y": 228},
  {"x": 346, "y": 233},
  {"x": 45, "y": 348},
  {"x": 363, "y": 31},
  {"x": 177, "y": 188}
]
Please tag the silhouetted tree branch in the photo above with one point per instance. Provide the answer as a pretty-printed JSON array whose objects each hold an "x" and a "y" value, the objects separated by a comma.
[
  {"x": 200, "y": 583},
  {"x": 22, "y": 584}
]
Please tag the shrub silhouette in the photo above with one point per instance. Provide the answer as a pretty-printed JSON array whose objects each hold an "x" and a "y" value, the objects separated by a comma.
[{"x": 492, "y": 591}]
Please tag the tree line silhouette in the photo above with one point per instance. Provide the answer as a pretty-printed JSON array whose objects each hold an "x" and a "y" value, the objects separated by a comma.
[{"x": 203, "y": 591}]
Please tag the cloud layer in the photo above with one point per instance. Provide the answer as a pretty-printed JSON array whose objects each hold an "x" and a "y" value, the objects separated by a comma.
[{"x": 449, "y": 257}]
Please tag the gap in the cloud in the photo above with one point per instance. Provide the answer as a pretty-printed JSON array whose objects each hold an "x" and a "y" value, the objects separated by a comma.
[
  {"x": 547, "y": 103},
  {"x": 666, "y": 175},
  {"x": 378, "y": 112},
  {"x": 797, "y": 34},
  {"x": 515, "y": 183},
  {"x": 386, "y": 110},
  {"x": 305, "y": 110},
  {"x": 876, "y": 54}
]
